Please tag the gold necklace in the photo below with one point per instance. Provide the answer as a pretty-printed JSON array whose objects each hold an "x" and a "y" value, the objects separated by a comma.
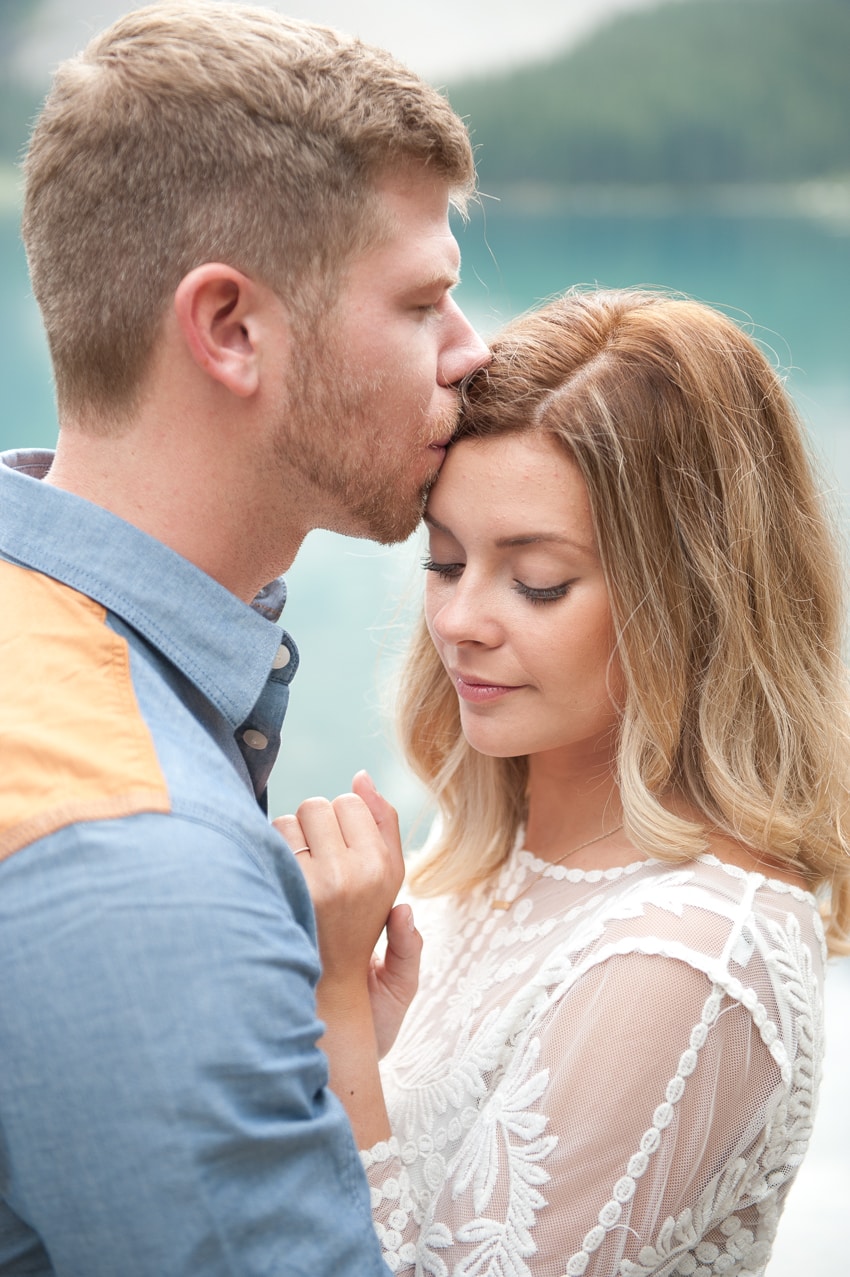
[{"x": 506, "y": 904}]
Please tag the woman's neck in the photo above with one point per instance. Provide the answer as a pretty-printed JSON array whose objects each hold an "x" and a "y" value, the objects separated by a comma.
[{"x": 569, "y": 803}]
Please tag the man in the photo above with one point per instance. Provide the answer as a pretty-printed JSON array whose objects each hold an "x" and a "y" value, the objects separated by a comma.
[{"x": 237, "y": 233}]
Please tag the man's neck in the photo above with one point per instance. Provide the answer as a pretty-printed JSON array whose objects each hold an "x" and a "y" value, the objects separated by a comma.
[{"x": 194, "y": 500}]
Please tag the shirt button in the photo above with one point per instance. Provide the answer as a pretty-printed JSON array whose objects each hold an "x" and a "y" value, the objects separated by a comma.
[
  {"x": 255, "y": 740},
  {"x": 282, "y": 657}
]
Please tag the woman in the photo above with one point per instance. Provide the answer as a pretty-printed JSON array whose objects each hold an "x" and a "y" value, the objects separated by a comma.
[{"x": 627, "y": 698}]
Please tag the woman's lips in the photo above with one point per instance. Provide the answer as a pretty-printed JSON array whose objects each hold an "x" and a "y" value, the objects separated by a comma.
[{"x": 476, "y": 691}]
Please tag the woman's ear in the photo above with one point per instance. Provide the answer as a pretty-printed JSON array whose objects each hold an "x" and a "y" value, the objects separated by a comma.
[{"x": 218, "y": 313}]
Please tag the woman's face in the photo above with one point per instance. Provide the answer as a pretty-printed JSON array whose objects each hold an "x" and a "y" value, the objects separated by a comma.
[{"x": 516, "y": 602}]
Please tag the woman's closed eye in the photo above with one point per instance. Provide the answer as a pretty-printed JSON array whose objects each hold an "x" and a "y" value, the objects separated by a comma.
[
  {"x": 448, "y": 571},
  {"x": 533, "y": 593},
  {"x": 542, "y": 594}
]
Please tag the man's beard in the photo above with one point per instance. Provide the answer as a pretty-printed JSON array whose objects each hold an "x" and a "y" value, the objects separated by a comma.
[{"x": 362, "y": 488}]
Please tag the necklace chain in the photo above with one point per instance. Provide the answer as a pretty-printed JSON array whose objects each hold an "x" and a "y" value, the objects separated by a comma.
[{"x": 506, "y": 904}]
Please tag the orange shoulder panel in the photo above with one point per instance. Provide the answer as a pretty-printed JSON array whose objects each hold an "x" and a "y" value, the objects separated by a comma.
[{"x": 73, "y": 743}]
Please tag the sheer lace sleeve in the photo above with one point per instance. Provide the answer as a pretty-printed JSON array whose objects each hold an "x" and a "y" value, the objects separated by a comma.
[{"x": 637, "y": 1111}]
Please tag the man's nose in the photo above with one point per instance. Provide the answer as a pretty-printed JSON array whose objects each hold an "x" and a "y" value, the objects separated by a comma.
[{"x": 463, "y": 351}]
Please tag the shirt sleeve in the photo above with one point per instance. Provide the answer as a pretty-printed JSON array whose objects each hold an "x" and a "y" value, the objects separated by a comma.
[
  {"x": 165, "y": 1105},
  {"x": 618, "y": 1133}
]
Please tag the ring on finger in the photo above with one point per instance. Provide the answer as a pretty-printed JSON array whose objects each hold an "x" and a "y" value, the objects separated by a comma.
[{"x": 296, "y": 851}]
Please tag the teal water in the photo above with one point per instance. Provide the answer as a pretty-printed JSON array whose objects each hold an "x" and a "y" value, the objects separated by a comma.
[
  {"x": 29, "y": 416},
  {"x": 788, "y": 275}
]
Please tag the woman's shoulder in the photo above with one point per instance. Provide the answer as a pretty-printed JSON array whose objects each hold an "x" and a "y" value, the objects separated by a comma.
[
  {"x": 740, "y": 876},
  {"x": 737, "y": 925},
  {"x": 712, "y": 882}
]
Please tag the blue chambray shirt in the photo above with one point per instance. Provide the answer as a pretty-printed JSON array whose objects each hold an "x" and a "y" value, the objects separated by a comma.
[{"x": 164, "y": 1108}]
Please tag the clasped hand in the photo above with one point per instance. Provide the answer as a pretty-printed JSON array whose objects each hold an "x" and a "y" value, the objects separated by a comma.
[{"x": 354, "y": 870}]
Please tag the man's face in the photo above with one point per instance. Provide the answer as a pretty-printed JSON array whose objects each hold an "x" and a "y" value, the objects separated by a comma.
[{"x": 372, "y": 397}]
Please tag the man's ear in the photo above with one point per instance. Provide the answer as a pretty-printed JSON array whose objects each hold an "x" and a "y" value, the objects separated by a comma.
[{"x": 218, "y": 311}]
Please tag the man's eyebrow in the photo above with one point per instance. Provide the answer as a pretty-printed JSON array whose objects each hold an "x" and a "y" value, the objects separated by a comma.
[{"x": 443, "y": 277}]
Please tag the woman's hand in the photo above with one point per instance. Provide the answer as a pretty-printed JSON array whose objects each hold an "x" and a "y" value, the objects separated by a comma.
[
  {"x": 353, "y": 864},
  {"x": 339, "y": 872},
  {"x": 354, "y": 869},
  {"x": 393, "y": 979}
]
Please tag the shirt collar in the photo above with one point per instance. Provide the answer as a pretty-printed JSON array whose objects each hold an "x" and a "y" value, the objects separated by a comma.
[{"x": 224, "y": 646}]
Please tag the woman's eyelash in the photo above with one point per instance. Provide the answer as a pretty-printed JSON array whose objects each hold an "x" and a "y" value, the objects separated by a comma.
[
  {"x": 534, "y": 594},
  {"x": 448, "y": 571},
  {"x": 547, "y": 594}
]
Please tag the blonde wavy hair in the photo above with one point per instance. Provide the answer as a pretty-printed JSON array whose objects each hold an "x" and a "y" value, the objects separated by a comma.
[
  {"x": 725, "y": 582},
  {"x": 194, "y": 132}
]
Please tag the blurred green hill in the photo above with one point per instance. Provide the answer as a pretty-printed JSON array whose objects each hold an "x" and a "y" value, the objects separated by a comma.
[
  {"x": 690, "y": 92},
  {"x": 19, "y": 100}
]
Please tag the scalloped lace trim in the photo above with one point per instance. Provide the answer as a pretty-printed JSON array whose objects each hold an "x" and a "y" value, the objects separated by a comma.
[{"x": 564, "y": 874}]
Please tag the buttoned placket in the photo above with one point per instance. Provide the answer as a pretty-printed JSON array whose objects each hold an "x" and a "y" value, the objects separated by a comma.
[{"x": 258, "y": 737}]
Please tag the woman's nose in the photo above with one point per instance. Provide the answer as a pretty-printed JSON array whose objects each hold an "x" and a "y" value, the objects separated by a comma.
[{"x": 467, "y": 617}]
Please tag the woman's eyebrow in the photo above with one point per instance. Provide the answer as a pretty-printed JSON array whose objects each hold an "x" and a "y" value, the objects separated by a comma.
[
  {"x": 529, "y": 538},
  {"x": 535, "y": 538}
]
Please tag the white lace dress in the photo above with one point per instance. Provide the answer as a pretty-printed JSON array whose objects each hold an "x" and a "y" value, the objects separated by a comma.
[{"x": 616, "y": 1076}]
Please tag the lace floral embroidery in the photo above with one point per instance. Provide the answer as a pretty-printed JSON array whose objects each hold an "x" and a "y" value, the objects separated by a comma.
[
  {"x": 463, "y": 1188},
  {"x": 507, "y": 1129}
]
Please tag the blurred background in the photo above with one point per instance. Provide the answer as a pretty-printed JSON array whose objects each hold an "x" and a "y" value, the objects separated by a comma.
[{"x": 702, "y": 145}]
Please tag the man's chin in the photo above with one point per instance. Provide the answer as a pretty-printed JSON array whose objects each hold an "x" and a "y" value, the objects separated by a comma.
[{"x": 394, "y": 522}]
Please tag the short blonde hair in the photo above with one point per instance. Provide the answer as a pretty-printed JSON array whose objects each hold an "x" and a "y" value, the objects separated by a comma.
[
  {"x": 192, "y": 132},
  {"x": 726, "y": 590}
]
